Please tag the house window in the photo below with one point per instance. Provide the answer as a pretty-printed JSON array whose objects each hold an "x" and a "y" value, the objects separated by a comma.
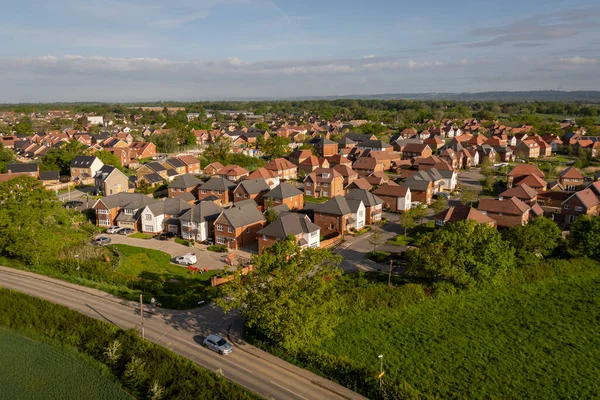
[
  {"x": 203, "y": 191},
  {"x": 566, "y": 206},
  {"x": 148, "y": 217},
  {"x": 313, "y": 234},
  {"x": 247, "y": 230},
  {"x": 103, "y": 222},
  {"x": 102, "y": 211},
  {"x": 149, "y": 228},
  {"x": 325, "y": 194},
  {"x": 238, "y": 195},
  {"x": 230, "y": 229},
  {"x": 264, "y": 237},
  {"x": 309, "y": 192},
  {"x": 326, "y": 185},
  {"x": 245, "y": 196},
  {"x": 221, "y": 240},
  {"x": 361, "y": 213},
  {"x": 331, "y": 227},
  {"x": 220, "y": 227},
  {"x": 578, "y": 209}
]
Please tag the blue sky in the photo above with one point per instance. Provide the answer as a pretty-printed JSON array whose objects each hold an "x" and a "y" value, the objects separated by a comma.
[{"x": 133, "y": 50}]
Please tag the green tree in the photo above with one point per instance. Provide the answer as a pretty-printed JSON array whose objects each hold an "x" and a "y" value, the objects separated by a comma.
[
  {"x": 468, "y": 196},
  {"x": 464, "y": 253},
  {"x": 109, "y": 158},
  {"x": 419, "y": 212},
  {"x": 440, "y": 204},
  {"x": 584, "y": 238},
  {"x": 59, "y": 158},
  {"x": 289, "y": 298},
  {"x": 274, "y": 146},
  {"x": 270, "y": 213},
  {"x": 534, "y": 241},
  {"x": 263, "y": 126},
  {"x": 376, "y": 237},
  {"x": 407, "y": 221},
  {"x": 219, "y": 149},
  {"x": 24, "y": 127},
  {"x": 6, "y": 156}
]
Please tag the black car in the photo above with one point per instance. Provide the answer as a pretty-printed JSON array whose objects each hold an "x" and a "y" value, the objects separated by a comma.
[
  {"x": 73, "y": 204},
  {"x": 166, "y": 236}
]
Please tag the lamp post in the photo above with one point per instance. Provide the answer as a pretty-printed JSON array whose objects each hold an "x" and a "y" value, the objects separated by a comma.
[
  {"x": 380, "y": 372},
  {"x": 77, "y": 269}
]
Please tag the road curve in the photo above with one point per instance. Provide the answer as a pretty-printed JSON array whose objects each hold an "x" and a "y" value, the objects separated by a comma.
[{"x": 181, "y": 332}]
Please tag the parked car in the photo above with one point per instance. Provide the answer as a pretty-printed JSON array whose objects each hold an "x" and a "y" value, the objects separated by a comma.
[
  {"x": 125, "y": 231},
  {"x": 186, "y": 259},
  {"x": 101, "y": 241},
  {"x": 209, "y": 242},
  {"x": 73, "y": 204},
  {"x": 442, "y": 194},
  {"x": 218, "y": 344},
  {"x": 166, "y": 235},
  {"x": 113, "y": 229}
]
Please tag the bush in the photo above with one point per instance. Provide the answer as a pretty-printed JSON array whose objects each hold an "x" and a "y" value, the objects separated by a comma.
[
  {"x": 378, "y": 256},
  {"x": 218, "y": 248}
]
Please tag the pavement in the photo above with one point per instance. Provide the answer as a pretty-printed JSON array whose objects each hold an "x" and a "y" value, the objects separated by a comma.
[
  {"x": 183, "y": 333},
  {"x": 206, "y": 259}
]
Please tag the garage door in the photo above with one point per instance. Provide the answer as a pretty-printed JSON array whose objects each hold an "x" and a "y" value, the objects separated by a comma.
[{"x": 172, "y": 228}]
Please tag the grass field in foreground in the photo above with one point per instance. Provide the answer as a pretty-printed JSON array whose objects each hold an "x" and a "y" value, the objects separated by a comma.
[
  {"x": 538, "y": 340},
  {"x": 33, "y": 370}
]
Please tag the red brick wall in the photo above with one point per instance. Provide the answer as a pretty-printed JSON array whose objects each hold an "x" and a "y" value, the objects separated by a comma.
[{"x": 324, "y": 221}]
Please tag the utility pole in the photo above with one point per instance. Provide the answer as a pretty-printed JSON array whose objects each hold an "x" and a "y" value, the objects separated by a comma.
[
  {"x": 390, "y": 275},
  {"x": 142, "y": 315},
  {"x": 380, "y": 374}
]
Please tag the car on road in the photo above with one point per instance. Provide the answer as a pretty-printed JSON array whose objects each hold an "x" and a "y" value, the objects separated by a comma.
[
  {"x": 166, "y": 235},
  {"x": 101, "y": 241},
  {"x": 113, "y": 229},
  {"x": 186, "y": 259},
  {"x": 125, "y": 231},
  {"x": 73, "y": 204},
  {"x": 218, "y": 344}
]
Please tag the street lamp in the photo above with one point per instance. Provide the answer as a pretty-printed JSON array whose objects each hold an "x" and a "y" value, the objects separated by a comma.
[
  {"x": 77, "y": 269},
  {"x": 380, "y": 372}
]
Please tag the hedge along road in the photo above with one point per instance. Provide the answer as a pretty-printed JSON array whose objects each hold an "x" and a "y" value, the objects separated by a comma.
[{"x": 183, "y": 332}]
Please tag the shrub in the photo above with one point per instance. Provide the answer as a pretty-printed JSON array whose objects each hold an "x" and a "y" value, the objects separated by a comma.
[
  {"x": 218, "y": 248},
  {"x": 377, "y": 256}
]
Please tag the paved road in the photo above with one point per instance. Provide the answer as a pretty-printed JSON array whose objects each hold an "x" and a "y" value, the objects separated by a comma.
[{"x": 182, "y": 331}]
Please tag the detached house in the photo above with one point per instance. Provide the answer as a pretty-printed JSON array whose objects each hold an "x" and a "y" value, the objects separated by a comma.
[
  {"x": 217, "y": 189},
  {"x": 462, "y": 213},
  {"x": 163, "y": 216},
  {"x": 506, "y": 212},
  {"x": 324, "y": 182},
  {"x": 571, "y": 179},
  {"x": 152, "y": 168},
  {"x": 109, "y": 180},
  {"x": 326, "y": 147},
  {"x": 522, "y": 171},
  {"x": 232, "y": 172},
  {"x": 192, "y": 164},
  {"x": 197, "y": 223},
  {"x": 300, "y": 226},
  {"x": 583, "y": 202},
  {"x": 412, "y": 150},
  {"x": 367, "y": 165},
  {"x": 253, "y": 189},
  {"x": 121, "y": 209},
  {"x": 85, "y": 167},
  {"x": 347, "y": 173},
  {"x": 213, "y": 168},
  {"x": 395, "y": 198},
  {"x": 373, "y": 204},
  {"x": 340, "y": 215},
  {"x": 237, "y": 226},
  {"x": 174, "y": 164},
  {"x": 285, "y": 194},
  {"x": 283, "y": 168},
  {"x": 184, "y": 184},
  {"x": 269, "y": 176},
  {"x": 522, "y": 192},
  {"x": 527, "y": 149}
]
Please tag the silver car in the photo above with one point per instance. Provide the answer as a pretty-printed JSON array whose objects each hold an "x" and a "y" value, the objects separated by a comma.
[
  {"x": 113, "y": 229},
  {"x": 218, "y": 344}
]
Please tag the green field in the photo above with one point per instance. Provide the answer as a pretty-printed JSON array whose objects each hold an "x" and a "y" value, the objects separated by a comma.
[
  {"x": 34, "y": 370},
  {"x": 538, "y": 340}
]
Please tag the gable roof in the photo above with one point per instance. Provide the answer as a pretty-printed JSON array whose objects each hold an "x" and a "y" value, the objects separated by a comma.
[
  {"x": 185, "y": 182},
  {"x": 283, "y": 191},
  {"x": 263, "y": 173},
  {"x": 175, "y": 162},
  {"x": 254, "y": 186},
  {"x": 216, "y": 165},
  {"x": 533, "y": 181},
  {"x": 391, "y": 190},
  {"x": 571, "y": 173},
  {"x": 414, "y": 147},
  {"x": 153, "y": 178},
  {"x": 82, "y": 161},
  {"x": 289, "y": 223},
  {"x": 280, "y": 164},
  {"x": 243, "y": 213},
  {"x": 464, "y": 213},
  {"x": 218, "y": 183},
  {"x": 125, "y": 200},
  {"x": 170, "y": 206},
  {"x": 368, "y": 198},
  {"x": 22, "y": 167},
  {"x": 49, "y": 175},
  {"x": 155, "y": 166},
  {"x": 189, "y": 159},
  {"x": 512, "y": 206},
  {"x": 337, "y": 205},
  {"x": 526, "y": 169},
  {"x": 204, "y": 211},
  {"x": 360, "y": 183},
  {"x": 523, "y": 191},
  {"x": 587, "y": 197}
]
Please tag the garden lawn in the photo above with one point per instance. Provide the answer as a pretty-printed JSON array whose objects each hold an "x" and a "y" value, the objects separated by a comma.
[
  {"x": 400, "y": 240},
  {"x": 30, "y": 369},
  {"x": 147, "y": 263},
  {"x": 530, "y": 341},
  {"x": 318, "y": 200},
  {"x": 140, "y": 235}
]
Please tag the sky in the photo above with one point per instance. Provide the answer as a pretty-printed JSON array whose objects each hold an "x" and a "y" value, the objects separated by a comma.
[{"x": 149, "y": 50}]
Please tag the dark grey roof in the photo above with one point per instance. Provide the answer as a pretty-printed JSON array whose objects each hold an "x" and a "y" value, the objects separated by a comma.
[
  {"x": 335, "y": 206},
  {"x": 281, "y": 208},
  {"x": 243, "y": 213},
  {"x": 354, "y": 204},
  {"x": 49, "y": 176},
  {"x": 172, "y": 172},
  {"x": 22, "y": 167},
  {"x": 186, "y": 196},
  {"x": 105, "y": 172},
  {"x": 204, "y": 211},
  {"x": 171, "y": 206},
  {"x": 289, "y": 224},
  {"x": 126, "y": 200},
  {"x": 218, "y": 183},
  {"x": 82, "y": 161},
  {"x": 358, "y": 137},
  {"x": 346, "y": 140},
  {"x": 368, "y": 198},
  {"x": 185, "y": 182},
  {"x": 155, "y": 166},
  {"x": 374, "y": 144},
  {"x": 414, "y": 184},
  {"x": 324, "y": 141},
  {"x": 283, "y": 191},
  {"x": 254, "y": 186},
  {"x": 153, "y": 178},
  {"x": 254, "y": 133},
  {"x": 176, "y": 162}
]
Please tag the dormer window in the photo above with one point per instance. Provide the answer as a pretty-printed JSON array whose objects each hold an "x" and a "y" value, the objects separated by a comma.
[{"x": 326, "y": 175}]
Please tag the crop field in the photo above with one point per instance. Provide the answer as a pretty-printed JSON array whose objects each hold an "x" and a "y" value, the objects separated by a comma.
[
  {"x": 34, "y": 370},
  {"x": 537, "y": 340}
]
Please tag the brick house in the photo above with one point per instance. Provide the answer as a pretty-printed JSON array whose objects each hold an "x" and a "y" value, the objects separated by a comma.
[
  {"x": 373, "y": 204},
  {"x": 420, "y": 190},
  {"x": 307, "y": 234},
  {"x": 324, "y": 182},
  {"x": 142, "y": 149},
  {"x": 182, "y": 184},
  {"x": 347, "y": 173},
  {"x": 212, "y": 168},
  {"x": 338, "y": 159},
  {"x": 340, "y": 215},
  {"x": 283, "y": 168},
  {"x": 326, "y": 147},
  {"x": 522, "y": 192},
  {"x": 527, "y": 149},
  {"x": 412, "y": 150},
  {"x": 297, "y": 156},
  {"x": 571, "y": 179},
  {"x": 152, "y": 168},
  {"x": 462, "y": 213},
  {"x": 367, "y": 165},
  {"x": 522, "y": 171},
  {"x": 507, "y": 212},
  {"x": 174, "y": 164},
  {"x": 583, "y": 202},
  {"x": 219, "y": 188},
  {"x": 269, "y": 176},
  {"x": 395, "y": 198},
  {"x": 192, "y": 164},
  {"x": 253, "y": 189},
  {"x": 285, "y": 194},
  {"x": 237, "y": 226},
  {"x": 197, "y": 223},
  {"x": 232, "y": 172},
  {"x": 109, "y": 180},
  {"x": 121, "y": 209}
]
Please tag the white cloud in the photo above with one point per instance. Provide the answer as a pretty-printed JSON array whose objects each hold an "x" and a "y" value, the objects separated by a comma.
[
  {"x": 370, "y": 56},
  {"x": 578, "y": 60}
]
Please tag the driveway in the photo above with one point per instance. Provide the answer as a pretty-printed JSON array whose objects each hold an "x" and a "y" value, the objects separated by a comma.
[
  {"x": 206, "y": 259},
  {"x": 470, "y": 179}
]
